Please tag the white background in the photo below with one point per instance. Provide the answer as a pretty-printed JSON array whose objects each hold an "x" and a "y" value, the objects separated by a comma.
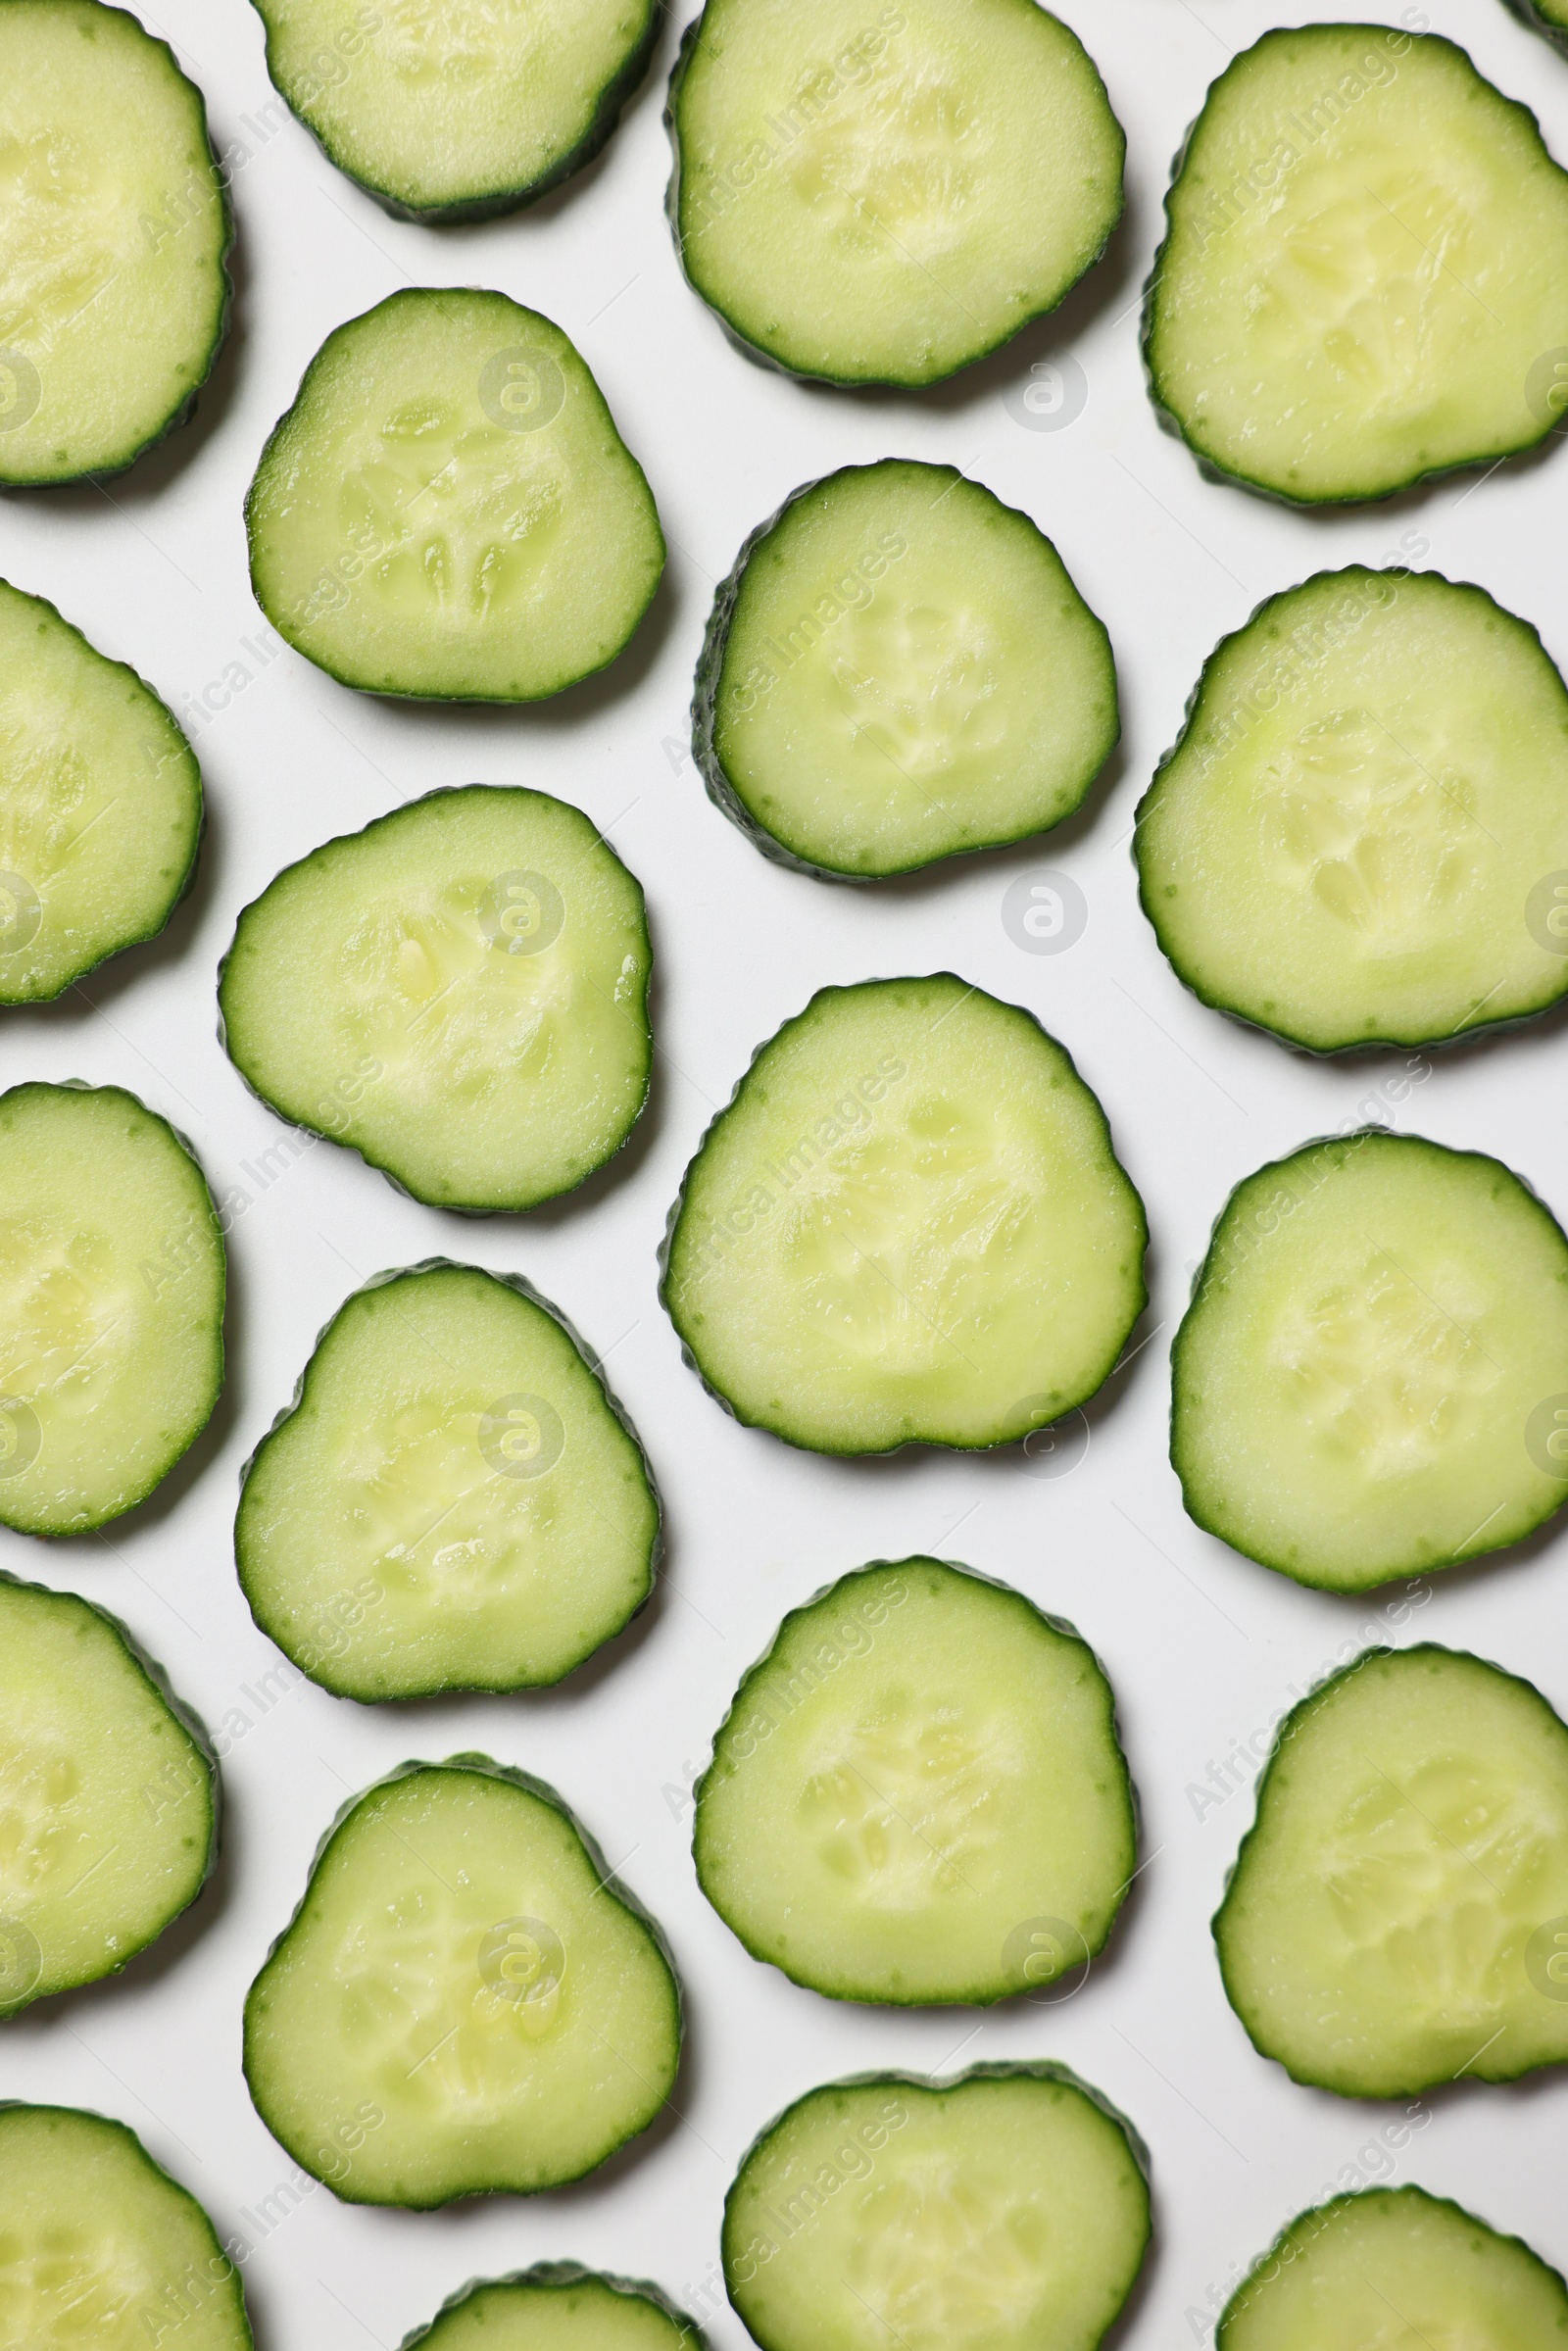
[{"x": 1203, "y": 1646}]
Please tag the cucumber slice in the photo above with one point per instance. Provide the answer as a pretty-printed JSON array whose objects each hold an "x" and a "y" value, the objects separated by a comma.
[
  {"x": 1358, "y": 2269},
  {"x": 112, "y": 1278},
  {"x": 113, "y": 291},
  {"x": 1549, "y": 17},
  {"x": 918, "y": 1794},
  {"x": 898, "y": 669},
  {"x": 1400, "y": 1902},
  {"x": 1371, "y": 1378},
  {"x": 454, "y": 1501},
  {"x": 558, "y": 2306},
  {"x": 465, "y": 2002},
  {"x": 884, "y": 193},
  {"x": 458, "y": 992},
  {"x": 100, "y": 802},
  {"x": 447, "y": 513},
  {"x": 908, "y": 1227},
  {"x": 464, "y": 114},
  {"x": 1366, "y": 257},
  {"x": 1357, "y": 836},
  {"x": 1005, "y": 2210},
  {"x": 103, "y": 2250}
]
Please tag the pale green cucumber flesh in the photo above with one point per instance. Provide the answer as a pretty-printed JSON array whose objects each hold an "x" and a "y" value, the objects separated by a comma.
[
  {"x": 1366, "y": 258},
  {"x": 918, "y": 1795},
  {"x": 458, "y": 992},
  {"x": 908, "y": 1226},
  {"x": 1360, "y": 834},
  {"x": 447, "y": 511},
  {"x": 1396, "y": 1917},
  {"x": 453, "y": 1501},
  {"x": 900, "y": 668},
  {"x": 558, "y": 2306},
  {"x": 464, "y": 2002},
  {"x": 102, "y": 2250},
  {"x": 1363, "y": 2268},
  {"x": 1004, "y": 2211},
  {"x": 880, "y": 193},
  {"x": 113, "y": 291},
  {"x": 112, "y": 1277},
  {"x": 1372, "y": 1377}
]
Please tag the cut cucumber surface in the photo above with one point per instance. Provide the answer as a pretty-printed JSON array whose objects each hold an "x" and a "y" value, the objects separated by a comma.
[
  {"x": 102, "y": 2250},
  {"x": 1394, "y": 2267},
  {"x": 882, "y": 192},
  {"x": 1372, "y": 1377},
  {"x": 453, "y": 1501},
  {"x": 1550, "y": 17},
  {"x": 465, "y": 2002},
  {"x": 1004, "y": 2209},
  {"x": 467, "y": 113},
  {"x": 899, "y": 667},
  {"x": 458, "y": 992},
  {"x": 111, "y": 1305},
  {"x": 918, "y": 1794},
  {"x": 113, "y": 291},
  {"x": 100, "y": 800},
  {"x": 447, "y": 511},
  {"x": 557, "y": 2307},
  {"x": 1364, "y": 269},
  {"x": 908, "y": 1227},
  {"x": 1398, "y": 1912},
  {"x": 1361, "y": 832}
]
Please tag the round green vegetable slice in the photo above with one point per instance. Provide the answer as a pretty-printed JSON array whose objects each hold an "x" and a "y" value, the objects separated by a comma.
[
  {"x": 1550, "y": 17},
  {"x": 918, "y": 1795},
  {"x": 112, "y": 238},
  {"x": 558, "y": 2306},
  {"x": 1398, "y": 1913},
  {"x": 447, "y": 511},
  {"x": 884, "y": 191},
  {"x": 458, "y": 992},
  {"x": 1364, "y": 278},
  {"x": 453, "y": 1501},
  {"x": 898, "y": 669},
  {"x": 1372, "y": 1377}
]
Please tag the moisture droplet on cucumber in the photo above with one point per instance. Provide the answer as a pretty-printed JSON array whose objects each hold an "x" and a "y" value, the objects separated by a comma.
[
  {"x": 1372, "y": 1377},
  {"x": 466, "y": 2001},
  {"x": 557, "y": 2307},
  {"x": 1007, "y": 2209},
  {"x": 113, "y": 291},
  {"x": 1363, "y": 830},
  {"x": 453, "y": 1501},
  {"x": 458, "y": 992},
  {"x": 1394, "y": 2266},
  {"x": 447, "y": 511},
  {"x": 908, "y": 1227},
  {"x": 884, "y": 191},
  {"x": 898, "y": 669},
  {"x": 918, "y": 1795},
  {"x": 1398, "y": 1913},
  {"x": 464, "y": 113},
  {"x": 1364, "y": 278},
  {"x": 111, "y": 1305}
]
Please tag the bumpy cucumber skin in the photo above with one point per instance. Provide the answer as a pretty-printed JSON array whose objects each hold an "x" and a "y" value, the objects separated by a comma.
[
  {"x": 1191, "y": 979},
  {"x": 980, "y": 1998},
  {"x": 561, "y": 2273},
  {"x": 484, "y": 1767},
  {"x": 434, "y": 1690}
]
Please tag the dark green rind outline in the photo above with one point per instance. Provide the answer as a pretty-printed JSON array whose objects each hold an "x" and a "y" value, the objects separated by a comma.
[
  {"x": 679, "y": 1206},
  {"x": 523, "y": 1287},
  {"x": 1060, "y": 1626},
  {"x": 709, "y": 676},
  {"x": 1558, "y": 34},
  {"x": 561, "y": 2274},
  {"x": 1201, "y": 1280},
  {"x": 907, "y": 383},
  {"x": 1209, "y": 466},
  {"x": 512, "y": 1776},
  {"x": 386, "y": 693},
  {"x": 300, "y": 1126},
  {"x": 1189, "y": 717},
  {"x": 1316, "y": 1696}
]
